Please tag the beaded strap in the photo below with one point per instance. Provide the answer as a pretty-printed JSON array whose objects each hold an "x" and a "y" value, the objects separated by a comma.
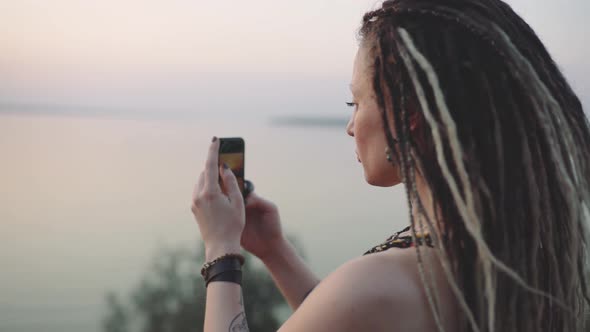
[{"x": 397, "y": 241}]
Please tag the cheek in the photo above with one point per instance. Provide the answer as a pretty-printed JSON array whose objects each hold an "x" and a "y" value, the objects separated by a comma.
[
  {"x": 362, "y": 132},
  {"x": 367, "y": 136},
  {"x": 371, "y": 144}
]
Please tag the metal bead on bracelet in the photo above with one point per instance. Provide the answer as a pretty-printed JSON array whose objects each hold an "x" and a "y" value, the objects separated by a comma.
[{"x": 225, "y": 268}]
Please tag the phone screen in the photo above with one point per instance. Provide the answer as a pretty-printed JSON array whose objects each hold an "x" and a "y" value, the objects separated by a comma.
[{"x": 231, "y": 152}]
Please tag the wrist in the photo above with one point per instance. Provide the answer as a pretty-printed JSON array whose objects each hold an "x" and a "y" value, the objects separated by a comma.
[
  {"x": 280, "y": 249},
  {"x": 219, "y": 249}
]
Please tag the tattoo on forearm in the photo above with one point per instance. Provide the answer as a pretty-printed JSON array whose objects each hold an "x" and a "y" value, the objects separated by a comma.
[{"x": 239, "y": 323}]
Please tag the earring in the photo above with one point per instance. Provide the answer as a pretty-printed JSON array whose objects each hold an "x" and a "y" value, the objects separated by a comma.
[{"x": 388, "y": 154}]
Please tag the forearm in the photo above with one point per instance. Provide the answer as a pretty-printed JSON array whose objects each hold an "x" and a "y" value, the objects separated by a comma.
[
  {"x": 290, "y": 273},
  {"x": 224, "y": 306},
  {"x": 224, "y": 309}
]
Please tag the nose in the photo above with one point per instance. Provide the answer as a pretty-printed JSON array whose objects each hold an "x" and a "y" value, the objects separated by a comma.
[{"x": 350, "y": 126}]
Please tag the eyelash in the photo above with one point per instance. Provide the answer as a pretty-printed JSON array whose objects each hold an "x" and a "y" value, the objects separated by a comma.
[{"x": 351, "y": 104}]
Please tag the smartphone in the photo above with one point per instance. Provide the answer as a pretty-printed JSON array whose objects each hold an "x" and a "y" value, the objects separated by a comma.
[{"x": 231, "y": 152}]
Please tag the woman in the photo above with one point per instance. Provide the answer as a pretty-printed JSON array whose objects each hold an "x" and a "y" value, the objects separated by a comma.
[{"x": 461, "y": 102}]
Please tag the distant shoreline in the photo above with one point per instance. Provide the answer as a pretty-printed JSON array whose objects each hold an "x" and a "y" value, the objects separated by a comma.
[
  {"x": 90, "y": 111},
  {"x": 309, "y": 121}
]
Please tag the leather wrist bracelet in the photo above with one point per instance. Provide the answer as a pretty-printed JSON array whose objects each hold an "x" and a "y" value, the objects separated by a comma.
[
  {"x": 207, "y": 266},
  {"x": 226, "y": 264},
  {"x": 229, "y": 276}
]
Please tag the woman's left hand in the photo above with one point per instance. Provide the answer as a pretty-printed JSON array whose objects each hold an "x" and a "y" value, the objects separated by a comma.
[{"x": 218, "y": 207}]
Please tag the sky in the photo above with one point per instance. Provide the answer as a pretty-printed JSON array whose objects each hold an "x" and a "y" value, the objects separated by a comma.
[{"x": 129, "y": 52}]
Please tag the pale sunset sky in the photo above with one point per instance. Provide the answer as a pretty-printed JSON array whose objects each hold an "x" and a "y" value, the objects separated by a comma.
[{"x": 82, "y": 51}]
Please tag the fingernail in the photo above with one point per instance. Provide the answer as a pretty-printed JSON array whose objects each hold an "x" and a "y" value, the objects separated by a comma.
[
  {"x": 214, "y": 139},
  {"x": 225, "y": 166},
  {"x": 248, "y": 187}
]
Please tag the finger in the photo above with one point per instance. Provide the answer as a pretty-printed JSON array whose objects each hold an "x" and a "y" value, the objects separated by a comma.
[
  {"x": 230, "y": 184},
  {"x": 248, "y": 188},
  {"x": 198, "y": 189},
  {"x": 252, "y": 200},
  {"x": 212, "y": 165},
  {"x": 255, "y": 201},
  {"x": 201, "y": 183},
  {"x": 198, "y": 186}
]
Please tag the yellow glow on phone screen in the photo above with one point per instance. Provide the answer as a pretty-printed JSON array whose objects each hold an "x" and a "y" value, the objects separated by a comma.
[{"x": 235, "y": 161}]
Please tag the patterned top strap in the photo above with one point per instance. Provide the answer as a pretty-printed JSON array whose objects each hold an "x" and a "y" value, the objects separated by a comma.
[{"x": 397, "y": 241}]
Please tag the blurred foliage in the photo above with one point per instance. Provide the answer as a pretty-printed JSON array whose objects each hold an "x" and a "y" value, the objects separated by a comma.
[{"x": 171, "y": 297}]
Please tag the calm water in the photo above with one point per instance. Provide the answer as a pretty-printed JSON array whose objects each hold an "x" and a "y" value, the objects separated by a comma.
[{"x": 86, "y": 203}]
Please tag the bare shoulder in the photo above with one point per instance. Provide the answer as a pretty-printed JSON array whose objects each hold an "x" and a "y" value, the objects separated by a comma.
[{"x": 370, "y": 293}]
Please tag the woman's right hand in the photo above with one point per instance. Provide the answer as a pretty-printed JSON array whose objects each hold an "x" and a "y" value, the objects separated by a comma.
[{"x": 262, "y": 234}]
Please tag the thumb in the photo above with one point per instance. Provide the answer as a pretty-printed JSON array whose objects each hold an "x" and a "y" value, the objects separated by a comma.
[
  {"x": 256, "y": 202},
  {"x": 253, "y": 200},
  {"x": 230, "y": 183}
]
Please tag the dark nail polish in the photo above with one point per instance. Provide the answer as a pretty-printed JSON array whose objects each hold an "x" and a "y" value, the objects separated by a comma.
[
  {"x": 225, "y": 166},
  {"x": 214, "y": 139}
]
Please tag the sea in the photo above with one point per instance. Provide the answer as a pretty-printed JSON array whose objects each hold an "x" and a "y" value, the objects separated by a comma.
[{"x": 87, "y": 201}]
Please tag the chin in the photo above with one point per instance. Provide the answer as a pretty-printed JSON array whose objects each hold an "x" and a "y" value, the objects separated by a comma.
[{"x": 381, "y": 180}]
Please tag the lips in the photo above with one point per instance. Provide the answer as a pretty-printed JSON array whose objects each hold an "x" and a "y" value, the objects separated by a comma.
[{"x": 357, "y": 157}]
